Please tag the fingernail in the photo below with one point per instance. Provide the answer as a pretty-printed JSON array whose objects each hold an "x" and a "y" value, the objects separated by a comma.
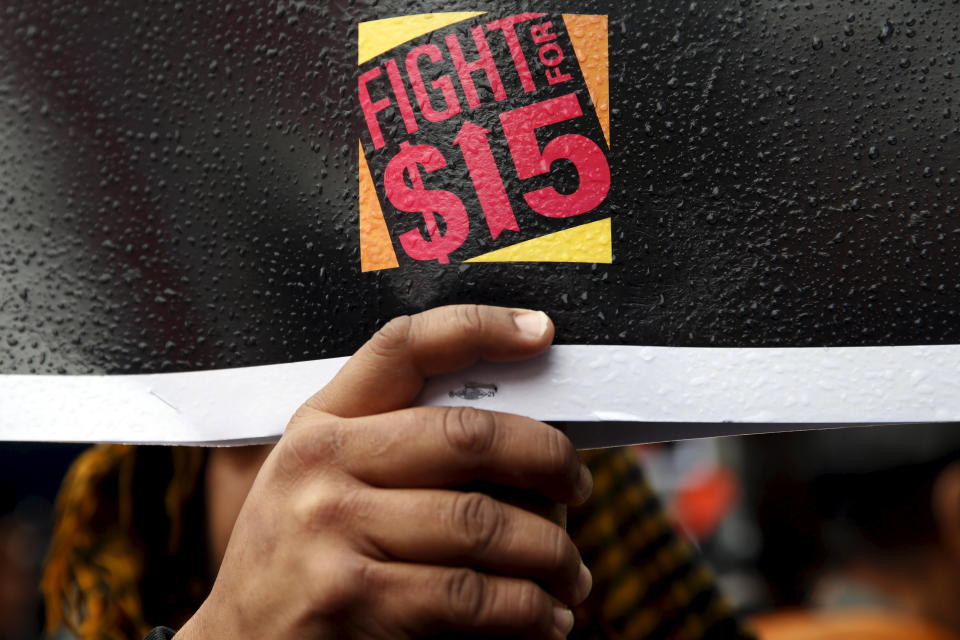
[
  {"x": 562, "y": 621},
  {"x": 584, "y": 484},
  {"x": 532, "y": 324},
  {"x": 584, "y": 581}
]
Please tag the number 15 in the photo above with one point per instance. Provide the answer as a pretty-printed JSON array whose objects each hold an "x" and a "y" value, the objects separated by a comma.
[{"x": 519, "y": 128}]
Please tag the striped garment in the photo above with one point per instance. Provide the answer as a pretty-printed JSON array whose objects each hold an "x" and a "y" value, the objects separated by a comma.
[{"x": 648, "y": 581}]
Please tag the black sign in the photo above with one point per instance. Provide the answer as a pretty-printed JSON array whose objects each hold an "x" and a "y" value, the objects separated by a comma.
[{"x": 181, "y": 184}]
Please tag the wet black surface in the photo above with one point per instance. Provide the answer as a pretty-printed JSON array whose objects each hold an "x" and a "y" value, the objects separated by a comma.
[{"x": 178, "y": 183}]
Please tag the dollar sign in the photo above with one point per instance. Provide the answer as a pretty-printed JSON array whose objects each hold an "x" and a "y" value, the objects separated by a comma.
[{"x": 428, "y": 202}]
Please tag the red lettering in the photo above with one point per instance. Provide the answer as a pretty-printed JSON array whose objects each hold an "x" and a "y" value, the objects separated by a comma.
[
  {"x": 405, "y": 190},
  {"x": 443, "y": 83},
  {"x": 509, "y": 28},
  {"x": 371, "y": 109},
  {"x": 485, "y": 63},
  {"x": 487, "y": 181},
  {"x": 520, "y": 129},
  {"x": 553, "y": 60},
  {"x": 555, "y": 76},
  {"x": 541, "y": 33},
  {"x": 400, "y": 91}
]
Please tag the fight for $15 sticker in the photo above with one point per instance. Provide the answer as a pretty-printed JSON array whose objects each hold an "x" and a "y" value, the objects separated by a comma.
[{"x": 485, "y": 138}]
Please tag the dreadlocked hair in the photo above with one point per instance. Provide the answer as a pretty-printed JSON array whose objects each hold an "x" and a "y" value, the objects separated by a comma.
[{"x": 129, "y": 547}]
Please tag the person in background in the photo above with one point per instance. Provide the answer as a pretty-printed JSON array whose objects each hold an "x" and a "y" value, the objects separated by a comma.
[
  {"x": 877, "y": 511},
  {"x": 30, "y": 474},
  {"x": 369, "y": 519},
  {"x": 16, "y": 572}
]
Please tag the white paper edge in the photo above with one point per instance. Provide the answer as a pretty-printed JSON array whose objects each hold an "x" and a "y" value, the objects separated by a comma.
[{"x": 670, "y": 392}]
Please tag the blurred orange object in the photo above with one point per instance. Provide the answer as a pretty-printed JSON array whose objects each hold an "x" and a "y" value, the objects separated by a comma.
[
  {"x": 845, "y": 625},
  {"x": 704, "y": 497}
]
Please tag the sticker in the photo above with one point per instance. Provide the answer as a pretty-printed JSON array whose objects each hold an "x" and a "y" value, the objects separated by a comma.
[{"x": 485, "y": 138}]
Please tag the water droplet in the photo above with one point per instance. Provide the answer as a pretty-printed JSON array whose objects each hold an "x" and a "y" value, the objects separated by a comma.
[{"x": 886, "y": 30}]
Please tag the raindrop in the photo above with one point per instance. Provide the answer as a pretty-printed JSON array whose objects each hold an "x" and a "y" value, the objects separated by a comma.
[{"x": 885, "y": 31}]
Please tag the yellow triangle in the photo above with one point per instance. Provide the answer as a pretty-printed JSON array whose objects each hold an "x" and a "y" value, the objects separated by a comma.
[
  {"x": 589, "y": 37},
  {"x": 379, "y": 36},
  {"x": 591, "y": 242}
]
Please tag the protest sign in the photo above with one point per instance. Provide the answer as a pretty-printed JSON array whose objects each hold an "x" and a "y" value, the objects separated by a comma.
[{"x": 741, "y": 216}]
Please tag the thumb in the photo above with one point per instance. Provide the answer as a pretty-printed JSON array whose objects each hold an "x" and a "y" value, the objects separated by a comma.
[{"x": 388, "y": 372}]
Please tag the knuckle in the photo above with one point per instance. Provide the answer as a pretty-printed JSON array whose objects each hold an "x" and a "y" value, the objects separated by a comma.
[
  {"x": 289, "y": 461},
  {"x": 530, "y": 605},
  {"x": 392, "y": 337},
  {"x": 562, "y": 556},
  {"x": 469, "y": 430},
  {"x": 479, "y": 520},
  {"x": 466, "y": 594},
  {"x": 333, "y": 508},
  {"x": 469, "y": 318},
  {"x": 559, "y": 454},
  {"x": 345, "y": 585},
  {"x": 313, "y": 445}
]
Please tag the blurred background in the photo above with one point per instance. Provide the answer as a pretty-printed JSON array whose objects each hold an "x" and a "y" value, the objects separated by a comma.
[
  {"x": 30, "y": 475},
  {"x": 863, "y": 519}
]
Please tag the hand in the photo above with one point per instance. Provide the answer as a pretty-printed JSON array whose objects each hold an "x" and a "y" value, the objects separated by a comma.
[{"x": 354, "y": 528}]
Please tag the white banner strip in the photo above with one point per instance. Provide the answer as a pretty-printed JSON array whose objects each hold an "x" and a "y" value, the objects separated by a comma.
[{"x": 731, "y": 390}]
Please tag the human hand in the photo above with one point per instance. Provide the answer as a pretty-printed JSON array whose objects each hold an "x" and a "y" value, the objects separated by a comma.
[{"x": 354, "y": 528}]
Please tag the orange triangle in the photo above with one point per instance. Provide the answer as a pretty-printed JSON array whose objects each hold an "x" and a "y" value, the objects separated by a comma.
[
  {"x": 589, "y": 37},
  {"x": 376, "y": 249}
]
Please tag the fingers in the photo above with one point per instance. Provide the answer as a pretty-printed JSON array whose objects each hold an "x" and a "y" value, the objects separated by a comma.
[
  {"x": 444, "y": 447},
  {"x": 389, "y": 370},
  {"x": 428, "y": 600},
  {"x": 472, "y": 529}
]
